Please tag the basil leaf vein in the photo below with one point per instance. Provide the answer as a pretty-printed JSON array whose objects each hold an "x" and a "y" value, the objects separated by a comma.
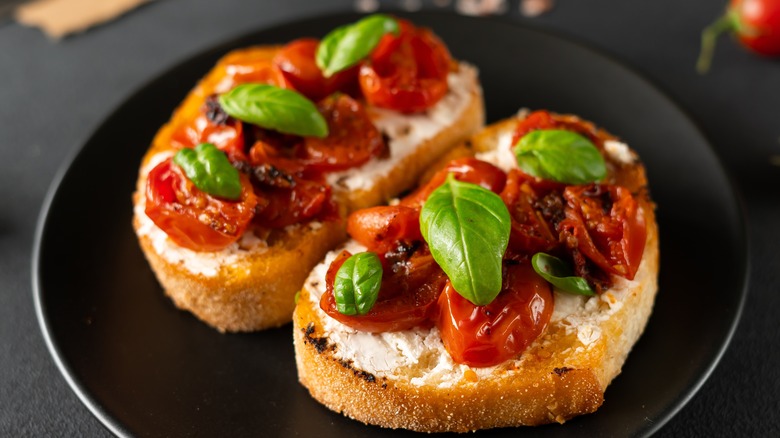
[
  {"x": 560, "y": 155},
  {"x": 467, "y": 229},
  {"x": 357, "y": 283},
  {"x": 347, "y": 45},
  {"x": 274, "y": 108},
  {"x": 560, "y": 275},
  {"x": 210, "y": 170}
]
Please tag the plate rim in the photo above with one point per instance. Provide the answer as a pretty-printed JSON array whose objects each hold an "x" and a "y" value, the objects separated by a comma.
[{"x": 117, "y": 428}]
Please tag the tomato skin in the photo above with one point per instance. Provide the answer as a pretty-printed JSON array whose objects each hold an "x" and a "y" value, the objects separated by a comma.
[
  {"x": 539, "y": 120},
  {"x": 482, "y": 336},
  {"x": 297, "y": 62},
  {"x": 466, "y": 169},
  {"x": 758, "y": 25},
  {"x": 381, "y": 228},
  {"x": 406, "y": 299},
  {"x": 607, "y": 225},
  {"x": 191, "y": 218},
  {"x": 256, "y": 71},
  {"x": 406, "y": 72},
  {"x": 213, "y": 126},
  {"x": 531, "y": 232},
  {"x": 352, "y": 137}
]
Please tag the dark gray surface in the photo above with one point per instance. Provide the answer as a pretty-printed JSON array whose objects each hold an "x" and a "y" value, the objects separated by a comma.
[{"x": 55, "y": 94}]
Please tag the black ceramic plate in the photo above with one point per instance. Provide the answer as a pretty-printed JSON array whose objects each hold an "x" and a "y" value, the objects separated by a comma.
[{"x": 144, "y": 368}]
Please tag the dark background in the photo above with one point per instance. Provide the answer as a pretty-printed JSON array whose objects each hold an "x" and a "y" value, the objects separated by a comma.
[{"x": 54, "y": 95}]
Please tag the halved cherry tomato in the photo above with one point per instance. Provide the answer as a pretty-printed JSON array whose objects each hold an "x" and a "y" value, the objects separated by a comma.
[
  {"x": 304, "y": 200},
  {"x": 381, "y": 228},
  {"x": 213, "y": 126},
  {"x": 297, "y": 62},
  {"x": 483, "y": 336},
  {"x": 406, "y": 299},
  {"x": 531, "y": 232},
  {"x": 546, "y": 120},
  {"x": 406, "y": 72},
  {"x": 194, "y": 219},
  {"x": 607, "y": 225},
  {"x": 352, "y": 137},
  {"x": 466, "y": 169},
  {"x": 249, "y": 69}
]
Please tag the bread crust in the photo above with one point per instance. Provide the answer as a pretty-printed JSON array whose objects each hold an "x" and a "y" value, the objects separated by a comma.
[
  {"x": 558, "y": 377},
  {"x": 256, "y": 291}
]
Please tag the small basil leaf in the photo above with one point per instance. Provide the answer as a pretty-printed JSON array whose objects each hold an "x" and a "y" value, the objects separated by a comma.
[
  {"x": 210, "y": 170},
  {"x": 357, "y": 283},
  {"x": 560, "y": 155},
  {"x": 274, "y": 108},
  {"x": 347, "y": 45},
  {"x": 467, "y": 229},
  {"x": 559, "y": 274}
]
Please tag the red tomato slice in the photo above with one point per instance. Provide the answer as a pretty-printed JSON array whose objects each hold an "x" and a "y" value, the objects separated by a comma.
[
  {"x": 191, "y": 218},
  {"x": 352, "y": 137},
  {"x": 406, "y": 299},
  {"x": 607, "y": 225},
  {"x": 297, "y": 62},
  {"x": 482, "y": 336},
  {"x": 406, "y": 72},
  {"x": 381, "y": 228},
  {"x": 245, "y": 70},
  {"x": 467, "y": 169},
  {"x": 538, "y": 120},
  {"x": 531, "y": 232},
  {"x": 215, "y": 127}
]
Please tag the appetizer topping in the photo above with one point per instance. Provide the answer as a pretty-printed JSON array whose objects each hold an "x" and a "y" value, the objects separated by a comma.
[
  {"x": 477, "y": 251},
  {"x": 347, "y": 45},
  {"x": 467, "y": 229},
  {"x": 482, "y": 336},
  {"x": 209, "y": 169},
  {"x": 275, "y": 108},
  {"x": 406, "y": 72},
  {"x": 559, "y": 274},
  {"x": 561, "y": 156},
  {"x": 357, "y": 282},
  {"x": 297, "y": 62},
  {"x": 192, "y": 218}
]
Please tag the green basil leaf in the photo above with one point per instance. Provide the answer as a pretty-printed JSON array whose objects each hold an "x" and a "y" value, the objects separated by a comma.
[
  {"x": 467, "y": 229},
  {"x": 560, "y": 274},
  {"x": 274, "y": 108},
  {"x": 347, "y": 45},
  {"x": 560, "y": 155},
  {"x": 210, "y": 170},
  {"x": 357, "y": 283}
]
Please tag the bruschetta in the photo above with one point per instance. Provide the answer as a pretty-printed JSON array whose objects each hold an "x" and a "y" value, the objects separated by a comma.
[
  {"x": 507, "y": 290},
  {"x": 247, "y": 186}
]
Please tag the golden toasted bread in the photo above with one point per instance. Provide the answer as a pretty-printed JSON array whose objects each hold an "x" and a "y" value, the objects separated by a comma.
[
  {"x": 251, "y": 284},
  {"x": 408, "y": 380}
]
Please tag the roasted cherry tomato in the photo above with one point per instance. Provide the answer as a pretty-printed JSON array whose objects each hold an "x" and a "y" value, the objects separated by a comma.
[
  {"x": 531, "y": 231},
  {"x": 297, "y": 62},
  {"x": 194, "y": 219},
  {"x": 545, "y": 120},
  {"x": 352, "y": 137},
  {"x": 213, "y": 126},
  {"x": 304, "y": 200},
  {"x": 406, "y": 299},
  {"x": 607, "y": 225},
  {"x": 381, "y": 228},
  {"x": 482, "y": 336},
  {"x": 467, "y": 169},
  {"x": 406, "y": 72},
  {"x": 244, "y": 68}
]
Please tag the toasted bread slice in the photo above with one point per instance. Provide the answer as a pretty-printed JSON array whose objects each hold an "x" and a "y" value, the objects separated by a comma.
[
  {"x": 408, "y": 380},
  {"x": 251, "y": 284}
]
